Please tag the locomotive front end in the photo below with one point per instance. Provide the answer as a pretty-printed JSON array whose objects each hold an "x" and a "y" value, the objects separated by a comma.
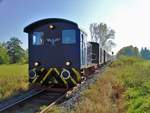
[{"x": 54, "y": 52}]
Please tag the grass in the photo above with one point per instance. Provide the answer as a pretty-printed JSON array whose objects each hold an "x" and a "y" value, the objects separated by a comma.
[
  {"x": 13, "y": 79},
  {"x": 136, "y": 79},
  {"x": 123, "y": 88},
  {"x": 102, "y": 97}
]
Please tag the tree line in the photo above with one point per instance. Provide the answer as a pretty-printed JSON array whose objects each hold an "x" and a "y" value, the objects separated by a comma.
[
  {"x": 134, "y": 51},
  {"x": 11, "y": 52}
]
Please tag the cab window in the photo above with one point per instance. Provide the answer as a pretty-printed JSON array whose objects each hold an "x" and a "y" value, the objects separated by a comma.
[
  {"x": 68, "y": 36},
  {"x": 38, "y": 38}
]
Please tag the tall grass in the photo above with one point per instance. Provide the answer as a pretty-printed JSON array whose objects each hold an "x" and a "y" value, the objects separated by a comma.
[
  {"x": 123, "y": 88},
  {"x": 13, "y": 79},
  {"x": 136, "y": 79}
]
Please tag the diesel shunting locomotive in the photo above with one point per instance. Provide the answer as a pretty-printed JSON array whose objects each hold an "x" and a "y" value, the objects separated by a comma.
[{"x": 59, "y": 53}]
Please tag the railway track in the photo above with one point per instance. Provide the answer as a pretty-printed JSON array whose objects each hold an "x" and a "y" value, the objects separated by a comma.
[
  {"x": 53, "y": 103},
  {"x": 4, "y": 105},
  {"x": 32, "y": 101}
]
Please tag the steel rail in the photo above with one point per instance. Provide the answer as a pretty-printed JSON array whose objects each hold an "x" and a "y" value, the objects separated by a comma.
[
  {"x": 53, "y": 103},
  {"x": 5, "y": 107}
]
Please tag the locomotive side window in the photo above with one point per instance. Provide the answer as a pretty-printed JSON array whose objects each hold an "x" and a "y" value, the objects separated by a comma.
[
  {"x": 83, "y": 48},
  {"x": 68, "y": 36},
  {"x": 37, "y": 38}
]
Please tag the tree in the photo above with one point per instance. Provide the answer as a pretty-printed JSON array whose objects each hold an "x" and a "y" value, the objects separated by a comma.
[
  {"x": 129, "y": 51},
  {"x": 14, "y": 49},
  {"x": 94, "y": 32},
  {"x": 25, "y": 56},
  {"x": 145, "y": 53},
  {"x": 103, "y": 35},
  {"x": 4, "y": 57}
]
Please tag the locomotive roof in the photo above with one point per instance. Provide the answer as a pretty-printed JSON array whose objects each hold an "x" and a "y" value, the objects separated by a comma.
[{"x": 34, "y": 25}]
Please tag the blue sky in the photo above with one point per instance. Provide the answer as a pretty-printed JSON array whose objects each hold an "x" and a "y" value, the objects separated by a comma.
[{"x": 121, "y": 15}]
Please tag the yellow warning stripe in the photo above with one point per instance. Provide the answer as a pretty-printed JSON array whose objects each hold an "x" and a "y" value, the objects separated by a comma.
[
  {"x": 34, "y": 69},
  {"x": 56, "y": 70},
  {"x": 78, "y": 75},
  {"x": 65, "y": 82},
  {"x": 58, "y": 73},
  {"x": 75, "y": 83},
  {"x": 35, "y": 79},
  {"x": 44, "y": 78},
  {"x": 42, "y": 69}
]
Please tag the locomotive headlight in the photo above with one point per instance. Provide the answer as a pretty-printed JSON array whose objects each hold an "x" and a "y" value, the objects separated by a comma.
[
  {"x": 36, "y": 64},
  {"x": 68, "y": 63},
  {"x": 51, "y": 26}
]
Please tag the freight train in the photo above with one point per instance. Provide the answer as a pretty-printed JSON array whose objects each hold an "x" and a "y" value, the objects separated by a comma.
[{"x": 59, "y": 53}]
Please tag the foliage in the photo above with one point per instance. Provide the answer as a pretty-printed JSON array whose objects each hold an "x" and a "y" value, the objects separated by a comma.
[
  {"x": 145, "y": 53},
  {"x": 133, "y": 51},
  {"x": 24, "y": 58},
  {"x": 134, "y": 75},
  {"x": 129, "y": 51},
  {"x": 103, "y": 35},
  {"x": 16, "y": 53},
  {"x": 13, "y": 79},
  {"x": 4, "y": 58}
]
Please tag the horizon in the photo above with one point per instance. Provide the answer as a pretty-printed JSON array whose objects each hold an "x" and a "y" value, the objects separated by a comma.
[{"x": 129, "y": 19}]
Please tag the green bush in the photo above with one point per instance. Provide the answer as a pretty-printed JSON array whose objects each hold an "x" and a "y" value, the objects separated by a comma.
[
  {"x": 4, "y": 57},
  {"x": 135, "y": 76}
]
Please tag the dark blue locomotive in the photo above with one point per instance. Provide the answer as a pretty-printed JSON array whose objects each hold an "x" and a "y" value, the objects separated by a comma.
[{"x": 60, "y": 54}]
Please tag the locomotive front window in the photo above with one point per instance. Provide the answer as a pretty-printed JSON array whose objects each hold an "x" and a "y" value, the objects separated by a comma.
[
  {"x": 68, "y": 36},
  {"x": 38, "y": 38}
]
